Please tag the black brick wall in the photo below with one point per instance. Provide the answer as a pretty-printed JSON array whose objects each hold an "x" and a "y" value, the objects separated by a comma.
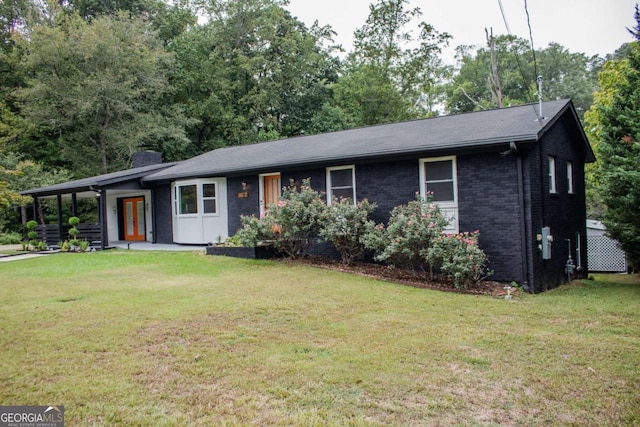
[
  {"x": 488, "y": 202},
  {"x": 564, "y": 213},
  {"x": 163, "y": 232}
]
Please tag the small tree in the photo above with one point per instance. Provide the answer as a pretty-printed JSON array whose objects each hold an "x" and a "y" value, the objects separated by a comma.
[
  {"x": 73, "y": 232},
  {"x": 345, "y": 224},
  {"x": 32, "y": 235}
]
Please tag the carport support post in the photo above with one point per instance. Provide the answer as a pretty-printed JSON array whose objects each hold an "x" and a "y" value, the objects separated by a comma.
[
  {"x": 60, "y": 225},
  {"x": 74, "y": 204},
  {"x": 102, "y": 204}
]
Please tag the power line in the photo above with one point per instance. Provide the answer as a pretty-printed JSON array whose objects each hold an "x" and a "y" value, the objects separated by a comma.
[
  {"x": 515, "y": 52},
  {"x": 535, "y": 63},
  {"x": 504, "y": 17}
]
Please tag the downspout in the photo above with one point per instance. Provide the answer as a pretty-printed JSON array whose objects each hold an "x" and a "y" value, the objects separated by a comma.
[
  {"x": 523, "y": 223},
  {"x": 524, "y": 279}
]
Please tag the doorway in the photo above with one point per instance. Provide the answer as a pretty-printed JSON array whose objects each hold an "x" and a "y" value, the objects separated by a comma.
[{"x": 134, "y": 214}]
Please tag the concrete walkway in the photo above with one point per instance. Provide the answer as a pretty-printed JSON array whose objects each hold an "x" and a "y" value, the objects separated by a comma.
[
  {"x": 148, "y": 246},
  {"x": 6, "y": 258},
  {"x": 139, "y": 246}
]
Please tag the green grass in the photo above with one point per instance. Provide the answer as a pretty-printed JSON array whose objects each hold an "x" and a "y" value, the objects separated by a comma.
[{"x": 177, "y": 339}]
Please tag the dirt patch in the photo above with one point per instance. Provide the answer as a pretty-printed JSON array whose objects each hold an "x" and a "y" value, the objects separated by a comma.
[{"x": 404, "y": 277}]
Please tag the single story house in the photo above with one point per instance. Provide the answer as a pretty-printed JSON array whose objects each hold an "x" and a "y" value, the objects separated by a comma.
[{"x": 516, "y": 174}]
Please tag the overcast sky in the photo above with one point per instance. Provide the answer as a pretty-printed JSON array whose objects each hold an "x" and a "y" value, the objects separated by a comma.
[{"x": 594, "y": 27}]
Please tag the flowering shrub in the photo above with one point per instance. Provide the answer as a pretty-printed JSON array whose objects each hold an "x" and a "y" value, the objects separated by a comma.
[
  {"x": 458, "y": 256},
  {"x": 254, "y": 231},
  {"x": 291, "y": 224},
  {"x": 344, "y": 224},
  {"x": 409, "y": 232}
]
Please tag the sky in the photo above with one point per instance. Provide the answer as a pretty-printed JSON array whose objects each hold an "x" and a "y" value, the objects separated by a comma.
[{"x": 593, "y": 27}]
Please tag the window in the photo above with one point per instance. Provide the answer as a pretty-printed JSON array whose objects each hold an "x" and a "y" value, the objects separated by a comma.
[
  {"x": 578, "y": 252},
  {"x": 188, "y": 199},
  {"x": 570, "y": 177},
  {"x": 439, "y": 179},
  {"x": 439, "y": 182},
  {"x": 209, "y": 198},
  {"x": 552, "y": 175},
  {"x": 341, "y": 183}
]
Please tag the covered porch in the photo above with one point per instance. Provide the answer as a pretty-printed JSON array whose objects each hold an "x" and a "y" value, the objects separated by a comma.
[{"x": 124, "y": 208}]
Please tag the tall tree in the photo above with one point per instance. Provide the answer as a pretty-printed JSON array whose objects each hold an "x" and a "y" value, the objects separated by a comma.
[
  {"x": 98, "y": 90},
  {"x": 410, "y": 63},
  {"x": 615, "y": 118},
  {"x": 508, "y": 61},
  {"x": 253, "y": 72}
]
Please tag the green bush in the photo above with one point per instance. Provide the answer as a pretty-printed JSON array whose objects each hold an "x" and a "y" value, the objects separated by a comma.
[
  {"x": 409, "y": 231},
  {"x": 255, "y": 231},
  {"x": 459, "y": 257},
  {"x": 291, "y": 224},
  {"x": 32, "y": 235},
  {"x": 345, "y": 224},
  {"x": 11, "y": 238}
]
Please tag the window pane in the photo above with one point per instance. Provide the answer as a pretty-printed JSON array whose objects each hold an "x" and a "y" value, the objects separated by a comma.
[
  {"x": 346, "y": 193},
  {"x": 570, "y": 177},
  {"x": 442, "y": 191},
  {"x": 188, "y": 199},
  {"x": 209, "y": 205},
  {"x": 341, "y": 178},
  {"x": 552, "y": 174},
  {"x": 208, "y": 190},
  {"x": 437, "y": 171}
]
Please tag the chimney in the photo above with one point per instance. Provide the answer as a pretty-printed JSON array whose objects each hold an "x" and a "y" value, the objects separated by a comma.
[{"x": 146, "y": 158}]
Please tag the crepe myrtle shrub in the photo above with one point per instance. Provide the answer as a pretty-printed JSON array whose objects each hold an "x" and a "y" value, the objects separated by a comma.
[
  {"x": 344, "y": 224},
  {"x": 255, "y": 231},
  {"x": 410, "y": 230},
  {"x": 291, "y": 224},
  {"x": 459, "y": 257}
]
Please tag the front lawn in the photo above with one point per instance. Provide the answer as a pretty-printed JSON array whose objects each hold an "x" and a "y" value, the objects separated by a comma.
[{"x": 177, "y": 339}]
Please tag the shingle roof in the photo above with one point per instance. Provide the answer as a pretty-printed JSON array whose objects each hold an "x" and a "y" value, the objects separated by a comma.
[
  {"x": 97, "y": 182},
  {"x": 469, "y": 130}
]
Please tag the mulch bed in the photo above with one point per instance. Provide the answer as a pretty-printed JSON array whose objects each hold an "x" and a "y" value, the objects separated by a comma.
[{"x": 404, "y": 277}]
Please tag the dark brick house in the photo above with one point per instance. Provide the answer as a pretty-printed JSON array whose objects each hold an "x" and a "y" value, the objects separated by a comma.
[{"x": 514, "y": 174}]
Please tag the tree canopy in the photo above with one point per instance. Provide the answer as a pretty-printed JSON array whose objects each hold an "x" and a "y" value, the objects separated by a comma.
[
  {"x": 614, "y": 120},
  {"x": 85, "y": 82}
]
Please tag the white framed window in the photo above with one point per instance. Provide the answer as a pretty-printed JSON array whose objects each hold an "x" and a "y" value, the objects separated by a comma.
[
  {"x": 196, "y": 197},
  {"x": 209, "y": 198},
  {"x": 439, "y": 183},
  {"x": 439, "y": 179},
  {"x": 552, "y": 175},
  {"x": 570, "y": 188},
  {"x": 341, "y": 183},
  {"x": 187, "y": 196}
]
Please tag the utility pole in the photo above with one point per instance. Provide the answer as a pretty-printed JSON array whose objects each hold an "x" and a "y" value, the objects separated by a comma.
[{"x": 494, "y": 79}]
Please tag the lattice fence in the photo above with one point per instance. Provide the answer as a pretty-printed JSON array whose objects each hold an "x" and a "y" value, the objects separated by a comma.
[{"x": 605, "y": 254}]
